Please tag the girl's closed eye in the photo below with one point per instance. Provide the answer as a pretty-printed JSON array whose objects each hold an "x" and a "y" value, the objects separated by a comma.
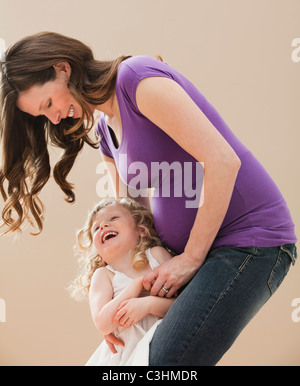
[
  {"x": 95, "y": 229},
  {"x": 49, "y": 103}
]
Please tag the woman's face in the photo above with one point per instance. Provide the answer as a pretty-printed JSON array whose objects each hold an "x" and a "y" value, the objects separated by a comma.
[{"x": 52, "y": 99}]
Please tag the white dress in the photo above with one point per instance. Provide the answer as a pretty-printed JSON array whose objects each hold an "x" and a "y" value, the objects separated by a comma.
[{"x": 136, "y": 338}]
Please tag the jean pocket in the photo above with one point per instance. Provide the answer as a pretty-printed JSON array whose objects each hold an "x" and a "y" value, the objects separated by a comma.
[
  {"x": 291, "y": 250},
  {"x": 286, "y": 256}
]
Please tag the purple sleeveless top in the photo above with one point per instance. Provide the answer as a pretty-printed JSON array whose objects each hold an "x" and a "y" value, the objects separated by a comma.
[{"x": 147, "y": 157}]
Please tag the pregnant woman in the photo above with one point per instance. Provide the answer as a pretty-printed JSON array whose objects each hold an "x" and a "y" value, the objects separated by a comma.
[{"x": 232, "y": 248}]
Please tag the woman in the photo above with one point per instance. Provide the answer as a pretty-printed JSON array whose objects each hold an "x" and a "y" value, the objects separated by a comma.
[{"x": 232, "y": 250}]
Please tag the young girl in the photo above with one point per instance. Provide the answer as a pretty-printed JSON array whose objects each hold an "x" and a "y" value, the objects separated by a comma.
[{"x": 119, "y": 246}]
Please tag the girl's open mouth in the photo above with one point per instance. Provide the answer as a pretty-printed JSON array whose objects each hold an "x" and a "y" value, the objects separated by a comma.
[{"x": 108, "y": 235}]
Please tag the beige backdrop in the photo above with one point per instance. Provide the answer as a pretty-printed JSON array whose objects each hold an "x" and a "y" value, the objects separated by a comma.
[{"x": 240, "y": 55}]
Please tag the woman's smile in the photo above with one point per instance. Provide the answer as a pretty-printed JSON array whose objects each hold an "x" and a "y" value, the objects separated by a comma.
[
  {"x": 71, "y": 112},
  {"x": 52, "y": 99}
]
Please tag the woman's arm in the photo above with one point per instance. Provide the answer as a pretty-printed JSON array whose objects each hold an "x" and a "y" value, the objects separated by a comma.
[
  {"x": 168, "y": 106},
  {"x": 102, "y": 304}
]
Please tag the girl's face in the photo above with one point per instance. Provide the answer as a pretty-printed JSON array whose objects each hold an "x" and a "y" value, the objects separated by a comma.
[
  {"x": 52, "y": 99},
  {"x": 114, "y": 231}
]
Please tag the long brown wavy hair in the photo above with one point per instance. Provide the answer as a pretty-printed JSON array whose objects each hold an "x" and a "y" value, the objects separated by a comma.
[
  {"x": 88, "y": 257},
  {"x": 25, "y": 167}
]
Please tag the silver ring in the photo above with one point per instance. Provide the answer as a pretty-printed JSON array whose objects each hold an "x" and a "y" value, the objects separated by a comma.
[{"x": 165, "y": 289}]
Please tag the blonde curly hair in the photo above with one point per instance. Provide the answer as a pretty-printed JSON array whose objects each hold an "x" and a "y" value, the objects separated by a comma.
[{"x": 89, "y": 259}]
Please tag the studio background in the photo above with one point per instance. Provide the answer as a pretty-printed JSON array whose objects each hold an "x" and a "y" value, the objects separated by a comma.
[{"x": 240, "y": 55}]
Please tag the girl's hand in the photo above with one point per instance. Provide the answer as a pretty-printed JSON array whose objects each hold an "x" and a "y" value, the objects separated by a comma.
[
  {"x": 171, "y": 275},
  {"x": 131, "y": 311},
  {"x": 111, "y": 341}
]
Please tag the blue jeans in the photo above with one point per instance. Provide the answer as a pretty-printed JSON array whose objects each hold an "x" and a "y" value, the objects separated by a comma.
[{"x": 223, "y": 296}]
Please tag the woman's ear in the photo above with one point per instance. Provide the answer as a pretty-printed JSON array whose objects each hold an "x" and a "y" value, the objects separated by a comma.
[{"x": 63, "y": 68}]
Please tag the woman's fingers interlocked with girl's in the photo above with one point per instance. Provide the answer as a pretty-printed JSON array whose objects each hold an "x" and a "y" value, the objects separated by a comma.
[
  {"x": 157, "y": 284},
  {"x": 165, "y": 280}
]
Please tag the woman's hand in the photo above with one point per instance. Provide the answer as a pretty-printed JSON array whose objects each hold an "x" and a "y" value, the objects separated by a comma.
[{"x": 171, "y": 275}]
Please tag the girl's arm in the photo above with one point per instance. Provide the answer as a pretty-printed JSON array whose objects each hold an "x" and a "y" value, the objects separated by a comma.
[
  {"x": 133, "y": 310},
  {"x": 169, "y": 107},
  {"x": 102, "y": 304}
]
